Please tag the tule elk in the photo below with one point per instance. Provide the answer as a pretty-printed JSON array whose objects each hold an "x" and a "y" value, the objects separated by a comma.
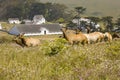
[
  {"x": 26, "y": 41},
  {"x": 94, "y": 37},
  {"x": 72, "y": 37},
  {"x": 107, "y": 37}
]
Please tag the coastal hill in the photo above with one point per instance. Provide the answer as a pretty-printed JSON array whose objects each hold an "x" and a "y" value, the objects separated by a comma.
[{"x": 93, "y": 7}]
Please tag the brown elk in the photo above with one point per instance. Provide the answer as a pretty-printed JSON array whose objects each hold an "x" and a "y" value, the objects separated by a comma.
[
  {"x": 107, "y": 37},
  {"x": 72, "y": 37},
  {"x": 116, "y": 35},
  {"x": 25, "y": 41}
]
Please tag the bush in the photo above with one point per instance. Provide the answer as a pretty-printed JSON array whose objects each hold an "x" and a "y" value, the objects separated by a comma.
[{"x": 54, "y": 47}]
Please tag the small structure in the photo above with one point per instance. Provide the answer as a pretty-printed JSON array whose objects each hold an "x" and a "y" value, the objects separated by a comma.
[
  {"x": 78, "y": 21},
  {"x": 83, "y": 24},
  {"x": 31, "y": 30},
  {"x": 38, "y": 19},
  {"x": 27, "y": 21},
  {"x": 14, "y": 21}
]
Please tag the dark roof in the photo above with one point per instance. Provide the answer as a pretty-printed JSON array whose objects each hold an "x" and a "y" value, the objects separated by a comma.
[
  {"x": 52, "y": 27},
  {"x": 13, "y": 19},
  {"x": 22, "y": 28}
]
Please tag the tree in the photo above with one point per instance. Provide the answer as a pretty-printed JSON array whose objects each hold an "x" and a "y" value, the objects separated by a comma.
[
  {"x": 28, "y": 8},
  {"x": 55, "y": 11},
  {"x": 11, "y": 7},
  {"x": 37, "y": 9},
  {"x": 71, "y": 24},
  {"x": 118, "y": 22},
  {"x": 94, "y": 19},
  {"x": 108, "y": 22},
  {"x": 79, "y": 10},
  {"x": 14, "y": 12},
  {"x": 61, "y": 20}
]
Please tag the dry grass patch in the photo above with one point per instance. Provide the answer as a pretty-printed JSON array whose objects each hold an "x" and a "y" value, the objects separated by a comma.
[{"x": 90, "y": 62}]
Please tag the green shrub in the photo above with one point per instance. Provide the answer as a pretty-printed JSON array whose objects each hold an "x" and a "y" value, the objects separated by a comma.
[{"x": 54, "y": 47}]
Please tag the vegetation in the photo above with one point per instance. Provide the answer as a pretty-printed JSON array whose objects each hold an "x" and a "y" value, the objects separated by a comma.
[
  {"x": 53, "y": 12},
  {"x": 6, "y": 26},
  {"x": 80, "y": 10},
  {"x": 94, "y": 7},
  {"x": 28, "y": 8},
  {"x": 56, "y": 60}
]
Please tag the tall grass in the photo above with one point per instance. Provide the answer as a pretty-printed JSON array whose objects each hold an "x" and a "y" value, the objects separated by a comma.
[
  {"x": 6, "y": 25},
  {"x": 57, "y": 60}
]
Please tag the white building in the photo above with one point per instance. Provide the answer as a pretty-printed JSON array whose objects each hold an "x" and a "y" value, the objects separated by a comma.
[
  {"x": 31, "y": 30},
  {"x": 38, "y": 19},
  {"x": 81, "y": 19},
  {"x": 14, "y": 21},
  {"x": 27, "y": 21}
]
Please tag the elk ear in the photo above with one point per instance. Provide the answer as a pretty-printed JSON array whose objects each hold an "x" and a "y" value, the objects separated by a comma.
[
  {"x": 21, "y": 34},
  {"x": 63, "y": 28}
]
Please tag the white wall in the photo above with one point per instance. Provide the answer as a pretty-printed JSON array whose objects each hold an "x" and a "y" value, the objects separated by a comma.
[
  {"x": 14, "y": 21},
  {"x": 39, "y": 21},
  {"x": 36, "y": 34},
  {"x": 44, "y": 31}
]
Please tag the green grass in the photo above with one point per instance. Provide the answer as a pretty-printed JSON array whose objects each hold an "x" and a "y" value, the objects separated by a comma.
[
  {"x": 6, "y": 25},
  {"x": 99, "y": 61}
]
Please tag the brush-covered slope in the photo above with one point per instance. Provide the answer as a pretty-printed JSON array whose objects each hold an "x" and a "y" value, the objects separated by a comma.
[{"x": 94, "y": 7}]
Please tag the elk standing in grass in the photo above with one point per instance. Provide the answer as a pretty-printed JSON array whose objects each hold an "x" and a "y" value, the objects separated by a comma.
[
  {"x": 73, "y": 37},
  {"x": 107, "y": 36},
  {"x": 94, "y": 37}
]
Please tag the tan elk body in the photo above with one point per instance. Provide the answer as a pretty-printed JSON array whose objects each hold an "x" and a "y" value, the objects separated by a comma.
[
  {"x": 108, "y": 36},
  {"x": 27, "y": 41},
  {"x": 94, "y": 37},
  {"x": 72, "y": 37}
]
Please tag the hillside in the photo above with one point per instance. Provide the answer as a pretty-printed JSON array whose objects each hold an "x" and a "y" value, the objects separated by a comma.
[
  {"x": 94, "y": 7},
  {"x": 55, "y": 60}
]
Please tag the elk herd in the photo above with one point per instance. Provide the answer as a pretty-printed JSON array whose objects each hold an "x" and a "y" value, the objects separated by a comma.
[
  {"x": 85, "y": 38},
  {"x": 72, "y": 36}
]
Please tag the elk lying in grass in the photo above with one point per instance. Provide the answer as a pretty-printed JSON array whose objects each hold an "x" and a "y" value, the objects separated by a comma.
[
  {"x": 72, "y": 37},
  {"x": 25, "y": 41},
  {"x": 107, "y": 37}
]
